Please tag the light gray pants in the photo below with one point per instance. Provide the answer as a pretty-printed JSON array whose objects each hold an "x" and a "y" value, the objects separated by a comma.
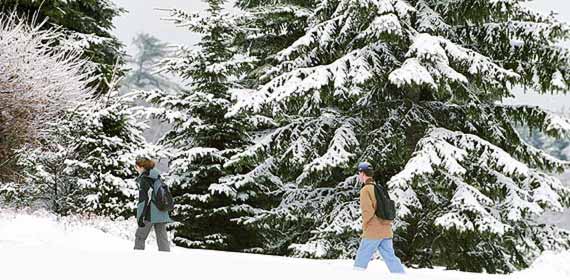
[{"x": 161, "y": 236}]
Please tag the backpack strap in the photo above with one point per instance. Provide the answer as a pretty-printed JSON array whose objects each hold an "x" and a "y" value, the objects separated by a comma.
[{"x": 154, "y": 191}]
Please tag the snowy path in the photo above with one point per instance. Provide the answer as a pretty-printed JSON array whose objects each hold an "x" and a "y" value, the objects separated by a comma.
[{"x": 39, "y": 247}]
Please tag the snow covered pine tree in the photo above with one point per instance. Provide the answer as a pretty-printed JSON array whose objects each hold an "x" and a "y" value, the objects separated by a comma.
[
  {"x": 210, "y": 198},
  {"x": 108, "y": 140},
  {"x": 85, "y": 164},
  {"x": 414, "y": 87},
  {"x": 266, "y": 27},
  {"x": 149, "y": 52}
]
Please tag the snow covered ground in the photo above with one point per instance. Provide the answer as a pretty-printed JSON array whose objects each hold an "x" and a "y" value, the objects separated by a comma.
[{"x": 41, "y": 246}]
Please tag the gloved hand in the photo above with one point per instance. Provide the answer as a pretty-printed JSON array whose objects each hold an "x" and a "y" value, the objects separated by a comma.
[{"x": 140, "y": 222}]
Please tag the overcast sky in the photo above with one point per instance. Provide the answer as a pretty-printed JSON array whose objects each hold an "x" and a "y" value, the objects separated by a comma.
[{"x": 143, "y": 16}]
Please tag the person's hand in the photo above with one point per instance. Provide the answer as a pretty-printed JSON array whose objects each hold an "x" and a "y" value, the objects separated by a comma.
[{"x": 140, "y": 223}]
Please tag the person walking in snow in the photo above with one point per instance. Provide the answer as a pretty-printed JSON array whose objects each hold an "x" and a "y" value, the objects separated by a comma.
[
  {"x": 148, "y": 215},
  {"x": 377, "y": 233}
]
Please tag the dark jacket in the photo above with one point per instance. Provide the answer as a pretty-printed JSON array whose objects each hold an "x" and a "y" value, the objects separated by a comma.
[{"x": 145, "y": 182}]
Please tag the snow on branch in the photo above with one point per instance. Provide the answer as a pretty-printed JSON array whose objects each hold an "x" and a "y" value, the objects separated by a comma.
[
  {"x": 468, "y": 200},
  {"x": 385, "y": 19},
  {"x": 316, "y": 249},
  {"x": 436, "y": 58},
  {"x": 535, "y": 117},
  {"x": 200, "y": 22},
  {"x": 190, "y": 156},
  {"x": 448, "y": 152},
  {"x": 518, "y": 201},
  {"x": 338, "y": 155},
  {"x": 548, "y": 191},
  {"x": 304, "y": 84},
  {"x": 538, "y": 158},
  {"x": 442, "y": 148},
  {"x": 232, "y": 185},
  {"x": 271, "y": 9},
  {"x": 35, "y": 74},
  {"x": 430, "y": 21},
  {"x": 432, "y": 151},
  {"x": 412, "y": 72}
]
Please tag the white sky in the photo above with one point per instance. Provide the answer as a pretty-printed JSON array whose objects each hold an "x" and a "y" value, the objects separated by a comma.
[{"x": 143, "y": 17}]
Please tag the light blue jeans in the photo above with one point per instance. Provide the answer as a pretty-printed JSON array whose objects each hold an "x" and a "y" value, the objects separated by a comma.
[{"x": 386, "y": 249}]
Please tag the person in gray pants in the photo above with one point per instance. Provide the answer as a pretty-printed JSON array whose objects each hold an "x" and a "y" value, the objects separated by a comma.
[{"x": 148, "y": 214}]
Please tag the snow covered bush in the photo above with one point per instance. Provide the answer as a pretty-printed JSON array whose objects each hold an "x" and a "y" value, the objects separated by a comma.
[
  {"x": 414, "y": 87},
  {"x": 37, "y": 83},
  {"x": 84, "y": 26}
]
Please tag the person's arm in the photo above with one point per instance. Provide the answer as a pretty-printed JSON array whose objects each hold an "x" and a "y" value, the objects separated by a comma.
[
  {"x": 145, "y": 186},
  {"x": 366, "y": 207}
]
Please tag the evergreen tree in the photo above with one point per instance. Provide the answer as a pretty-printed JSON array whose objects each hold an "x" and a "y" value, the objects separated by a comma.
[
  {"x": 150, "y": 51},
  {"x": 86, "y": 162},
  {"x": 107, "y": 139},
  {"x": 87, "y": 25},
  {"x": 211, "y": 198},
  {"x": 144, "y": 76},
  {"x": 266, "y": 27},
  {"x": 414, "y": 87}
]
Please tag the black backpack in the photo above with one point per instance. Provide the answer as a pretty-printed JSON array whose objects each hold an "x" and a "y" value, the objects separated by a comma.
[
  {"x": 162, "y": 196},
  {"x": 385, "y": 207}
]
